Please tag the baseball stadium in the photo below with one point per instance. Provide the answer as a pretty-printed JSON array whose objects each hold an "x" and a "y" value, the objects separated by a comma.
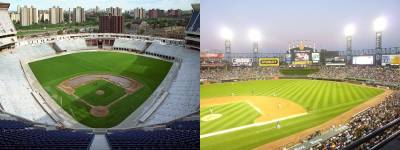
[
  {"x": 99, "y": 90},
  {"x": 304, "y": 98}
]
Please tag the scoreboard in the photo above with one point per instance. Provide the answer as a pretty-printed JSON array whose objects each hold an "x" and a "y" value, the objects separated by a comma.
[{"x": 242, "y": 61}]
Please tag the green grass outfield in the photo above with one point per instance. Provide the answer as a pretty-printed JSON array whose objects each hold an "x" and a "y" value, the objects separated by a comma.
[
  {"x": 148, "y": 71},
  {"x": 324, "y": 99},
  {"x": 88, "y": 92},
  {"x": 229, "y": 119}
]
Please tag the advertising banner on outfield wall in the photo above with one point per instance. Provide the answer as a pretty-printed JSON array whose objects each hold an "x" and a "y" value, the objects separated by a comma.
[
  {"x": 212, "y": 55},
  {"x": 242, "y": 61},
  {"x": 302, "y": 62},
  {"x": 390, "y": 60},
  {"x": 265, "y": 62}
]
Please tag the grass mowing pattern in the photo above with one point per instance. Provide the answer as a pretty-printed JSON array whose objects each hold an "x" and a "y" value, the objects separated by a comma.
[
  {"x": 324, "y": 100},
  {"x": 87, "y": 92},
  {"x": 148, "y": 71},
  {"x": 230, "y": 116}
]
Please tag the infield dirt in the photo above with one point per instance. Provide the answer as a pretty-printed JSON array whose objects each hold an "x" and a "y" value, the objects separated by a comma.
[{"x": 270, "y": 108}]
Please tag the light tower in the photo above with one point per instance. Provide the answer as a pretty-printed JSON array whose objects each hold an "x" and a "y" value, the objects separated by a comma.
[
  {"x": 227, "y": 35},
  {"x": 379, "y": 26},
  {"x": 255, "y": 37},
  {"x": 348, "y": 32}
]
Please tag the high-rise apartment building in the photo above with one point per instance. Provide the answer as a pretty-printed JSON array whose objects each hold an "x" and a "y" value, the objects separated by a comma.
[
  {"x": 78, "y": 15},
  {"x": 56, "y": 15},
  {"x": 28, "y": 15},
  {"x": 138, "y": 13},
  {"x": 111, "y": 24},
  {"x": 114, "y": 11}
]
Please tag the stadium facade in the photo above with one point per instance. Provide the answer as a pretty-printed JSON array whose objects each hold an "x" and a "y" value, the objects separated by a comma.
[
  {"x": 193, "y": 29},
  {"x": 8, "y": 33}
]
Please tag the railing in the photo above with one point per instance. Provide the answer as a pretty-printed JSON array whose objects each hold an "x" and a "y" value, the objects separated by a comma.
[{"x": 373, "y": 134}]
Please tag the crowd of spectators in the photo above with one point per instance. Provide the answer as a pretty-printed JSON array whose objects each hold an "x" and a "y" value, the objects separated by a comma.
[
  {"x": 372, "y": 73},
  {"x": 376, "y": 74},
  {"x": 239, "y": 73},
  {"x": 366, "y": 122}
]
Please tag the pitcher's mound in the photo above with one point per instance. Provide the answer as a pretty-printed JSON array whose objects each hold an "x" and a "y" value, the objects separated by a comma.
[
  {"x": 99, "y": 111},
  {"x": 99, "y": 92},
  {"x": 211, "y": 117}
]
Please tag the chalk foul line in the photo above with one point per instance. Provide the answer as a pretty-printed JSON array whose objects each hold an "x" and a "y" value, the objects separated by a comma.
[{"x": 250, "y": 125}]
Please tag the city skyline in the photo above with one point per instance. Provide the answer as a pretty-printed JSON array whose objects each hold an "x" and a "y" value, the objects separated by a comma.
[
  {"x": 103, "y": 4},
  {"x": 281, "y": 22}
]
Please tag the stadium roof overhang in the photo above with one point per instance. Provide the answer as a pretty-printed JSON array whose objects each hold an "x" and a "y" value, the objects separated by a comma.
[{"x": 4, "y": 5}]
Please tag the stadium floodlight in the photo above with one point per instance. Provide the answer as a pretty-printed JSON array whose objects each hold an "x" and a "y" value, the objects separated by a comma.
[
  {"x": 254, "y": 35},
  {"x": 380, "y": 24},
  {"x": 349, "y": 30},
  {"x": 226, "y": 33}
]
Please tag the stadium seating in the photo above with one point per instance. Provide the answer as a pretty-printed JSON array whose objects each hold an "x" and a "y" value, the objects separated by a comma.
[
  {"x": 372, "y": 74},
  {"x": 182, "y": 135},
  {"x": 18, "y": 135},
  {"x": 15, "y": 90},
  {"x": 185, "y": 125},
  {"x": 184, "y": 90},
  {"x": 72, "y": 44},
  {"x": 12, "y": 124},
  {"x": 137, "y": 45},
  {"x": 367, "y": 129}
]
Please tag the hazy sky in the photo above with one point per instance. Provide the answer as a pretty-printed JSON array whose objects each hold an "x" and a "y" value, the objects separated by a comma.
[
  {"x": 125, "y": 4},
  {"x": 281, "y": 21}
]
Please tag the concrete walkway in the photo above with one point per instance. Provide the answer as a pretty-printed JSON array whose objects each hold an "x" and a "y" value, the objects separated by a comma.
[{"x": 99, "y": 142}]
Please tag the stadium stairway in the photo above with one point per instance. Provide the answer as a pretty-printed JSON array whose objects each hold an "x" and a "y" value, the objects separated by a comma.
[
  {"x": 99, "y": 143},
  {"x": 56, "y": 47},
  {"x": 146, "y": 46}
]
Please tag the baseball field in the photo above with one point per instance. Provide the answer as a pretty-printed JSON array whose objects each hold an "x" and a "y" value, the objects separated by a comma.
[
  {"x": 100, "y": 89},
  {"x": 248, "y": 114}
]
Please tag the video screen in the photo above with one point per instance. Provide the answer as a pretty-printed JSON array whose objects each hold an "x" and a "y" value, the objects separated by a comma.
[
  {"x": 315, "y": 57},
  {"x": 363, "y": 60},
  {"x": 302, "y": 57}
]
